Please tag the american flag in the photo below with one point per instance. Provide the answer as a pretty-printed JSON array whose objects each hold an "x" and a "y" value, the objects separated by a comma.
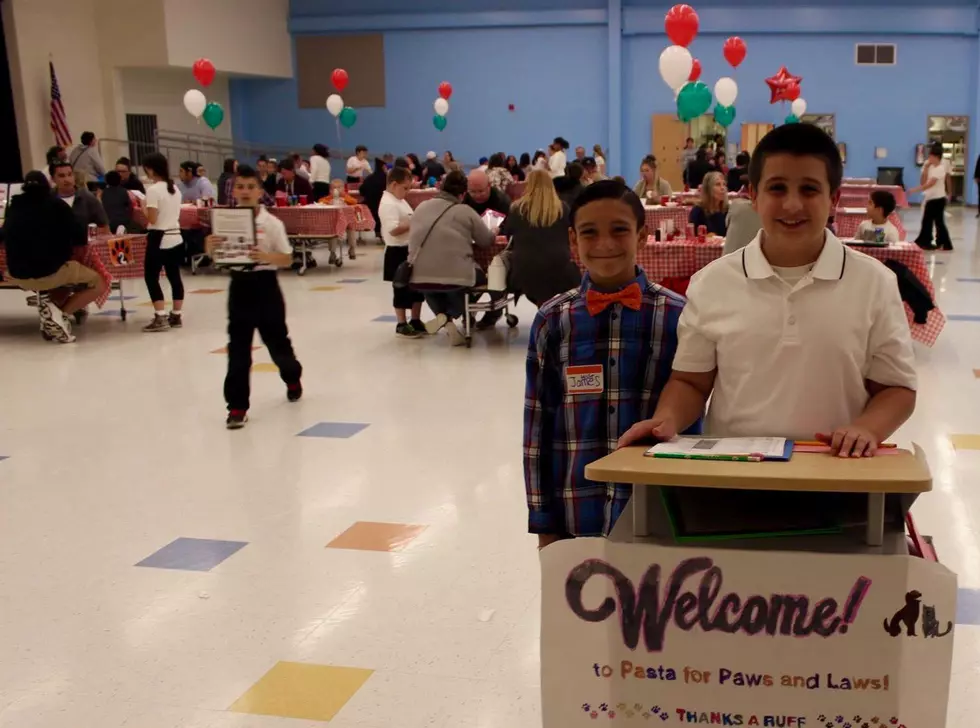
[{"x": 59, "y": 120}]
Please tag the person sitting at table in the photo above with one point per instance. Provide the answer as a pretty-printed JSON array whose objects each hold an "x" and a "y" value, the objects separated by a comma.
[
  {"x": 117, "y": 203},
  {"x": 698, "y": 168},
  {"x": 41, "y": 235},
  {"x": 226, "y": 182},
  {"x": 881, "y": 204},
  {"x": 616, "y": 320},
  {"x": 432, "y": 168},
  {"x": 795, "y": 335},
  {"x": 652, "y": 187},
  {"x": 129, "y": 181},
  {"x": 738, "y": 175},
  {"x": 300, "y": 166},
  {"x": 541, "y": 263},
  {"x": 358, "y": 166},
  {"x": 291, "y": 183},
  {"x": 55, "y": 154},
  {"x": 570, "y": 184},
  {"x": 193, "y": 187},
  {"x": 515, "y": 169},
  {"x": 719, "y": 163},
  {"x": 499, "y": 176},
  {"x": 441, "y": 240},
  {"x": 482, "y": 196},
  {"x": 712, "y": 210},
  {"x": 743, "y": 224},
  {"x": 592, "y": 173},
  {"x": 85, "y": 206}
]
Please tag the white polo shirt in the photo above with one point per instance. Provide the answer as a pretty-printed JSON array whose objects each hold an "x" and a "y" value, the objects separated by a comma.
[{"x": 792, "y": 359}]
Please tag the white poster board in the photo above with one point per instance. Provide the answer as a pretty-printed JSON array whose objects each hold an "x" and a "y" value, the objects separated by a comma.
[{"x": 642, "y": 635}]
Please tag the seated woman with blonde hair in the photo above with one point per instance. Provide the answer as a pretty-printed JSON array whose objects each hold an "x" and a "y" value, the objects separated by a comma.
[
  {"x": 651, "y": 185},
  {"x": 712, "y": 210},
  {"x": 541, "y": 264}
]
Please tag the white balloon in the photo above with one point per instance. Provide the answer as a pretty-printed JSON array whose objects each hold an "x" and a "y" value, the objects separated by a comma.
[
  {"x": 676, "y": 63},
  {"x": 441, "y": 106},
  {"x": 726, "y": 91},
  {"x": 798, "y": 108},
  {"x": 335, "y": 104},
  {"x": 195, "y": 102}
]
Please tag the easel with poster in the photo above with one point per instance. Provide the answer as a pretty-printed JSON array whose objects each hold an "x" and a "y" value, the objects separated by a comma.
[{"x": 637, "y": 630}]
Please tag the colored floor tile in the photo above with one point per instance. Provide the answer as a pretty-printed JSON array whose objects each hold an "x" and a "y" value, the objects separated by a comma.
[
  {"x": 968, "y": 607},
  {"x": 968, "y": 280},
  {"x": 352, "y": 280},
  {"x": 388, "y": 318},
  {"x": 192, "y": 554},
  {"x": 4, "y": 457},
  {"x": 976, "y": 373},
  {"x": 962, "y": 317},
  {"x": 302, "y": 691},
  {"x": 208, "y": 291},
  {"x": 965, "y": 442},
  {"x": 369, "y": 536},
  {"x": 326, "y": 288},
  {"x": 339, "y": 430},
  {"x": 224, "y": 350},
  {"x": 113, "y": 312},
  {"x": 266, "y": 367}
]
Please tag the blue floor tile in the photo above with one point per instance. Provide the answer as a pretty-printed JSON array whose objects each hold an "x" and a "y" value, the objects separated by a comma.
[
  {"x": 388, "y": 318},
  {"x": 968, "y": 280},
  {"x": 961, "y": 317},
  {"x": 340, "y": 430},
  {"x": 4, "y": 457},
  {"x": 114, "y": 312},
  {"x": 352, "y": 280},
  {"x": 968, "y": 607},
  {"x": 192, "y": 554}
]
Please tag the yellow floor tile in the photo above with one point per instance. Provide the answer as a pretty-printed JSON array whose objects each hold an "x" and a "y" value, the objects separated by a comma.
[
  {"x": 146, "y": 304},
  {"x": 303, "y": 691},
  {"x": 265, "y": 367},
  {"x": 208, "y": 291},
  {"x": 224, "y": 350},
  {"x": 976, "y": 373},
  {"x": 326, "y": 288},
  {"x": 965, "y": 442},
  {"x": 369, "y": 536}
]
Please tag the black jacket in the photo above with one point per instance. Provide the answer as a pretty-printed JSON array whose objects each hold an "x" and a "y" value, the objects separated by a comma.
[
  {"x": 735, "y": 178},
  {"x": 432, "y": 168},
  {"x": 541, "y": 263},
  {"x": 696, "y": 172},
  {"x": 301, "y": 186},
  {"x": 567, "y": 189},
  {"x": 913, "y": 292},
  {"x": 39, "y": 233},
  {"x": 118, "y": 207},
  {"x": 497, "y": 201},
  {"x": 134, "y": 184}
]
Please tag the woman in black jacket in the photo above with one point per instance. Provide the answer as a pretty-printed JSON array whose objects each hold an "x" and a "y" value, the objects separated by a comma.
[
  {"x": 541, "y": 264},
  {"x": 372, "y": 189}
]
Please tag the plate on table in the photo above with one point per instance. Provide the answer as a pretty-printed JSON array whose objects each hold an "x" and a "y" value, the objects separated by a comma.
[{"x": 858, "y": 243}]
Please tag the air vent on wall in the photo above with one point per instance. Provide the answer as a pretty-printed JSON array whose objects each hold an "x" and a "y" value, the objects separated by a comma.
[{"x": 875, "y": 54}]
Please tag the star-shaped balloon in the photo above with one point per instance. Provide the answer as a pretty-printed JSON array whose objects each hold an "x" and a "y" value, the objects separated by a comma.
[{"x": 781, "y": 86}]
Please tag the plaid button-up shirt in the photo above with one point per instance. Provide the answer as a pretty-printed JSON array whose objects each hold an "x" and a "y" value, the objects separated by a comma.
[{"x": 563, "y": 431}]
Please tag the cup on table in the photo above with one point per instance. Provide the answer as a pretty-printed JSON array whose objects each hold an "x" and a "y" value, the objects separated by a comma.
[
  {"x": 280, "y": 201},
  {"x": 302, "y": 199},
  {"x": 664, "y": 199}
]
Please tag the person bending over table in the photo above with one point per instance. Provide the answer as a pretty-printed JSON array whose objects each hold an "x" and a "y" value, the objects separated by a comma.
[
  {"x": 442, "y": 236},
  {"x": 84, "y": 205},
  {"x": 41, "y": 234},
  {"x": 712, "y": 210},
  {"x": 541, "y": 263},
  {"x": 651, "y": 185},
  {"x": 291, "y": 183},
  {"x": 116, "y": 202},
  {"x": 193, "y": 187},
  {"x": 615, "y": 321}
]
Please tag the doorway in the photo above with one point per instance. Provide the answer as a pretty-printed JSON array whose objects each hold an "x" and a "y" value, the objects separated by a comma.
[
  {"x": 668, "y": 134},
  {"x": 951, "y": 132}
]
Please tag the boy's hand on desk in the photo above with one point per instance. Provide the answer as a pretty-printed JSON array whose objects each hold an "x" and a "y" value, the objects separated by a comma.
[
  {"x": 851, "y": 441},
  {"x": 660, "y": 427}
]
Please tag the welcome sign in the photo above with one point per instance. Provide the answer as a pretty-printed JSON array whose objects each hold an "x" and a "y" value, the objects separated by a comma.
[{"x": 642, "y": 635}]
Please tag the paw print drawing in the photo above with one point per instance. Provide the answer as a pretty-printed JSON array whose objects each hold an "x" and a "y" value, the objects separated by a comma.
[
  {"x": 847, "y": 725},
  {"x": 821, "y": 718},
  {"x": 603, "y": 707},
  {"x": 630, "y": 713},
  {"x": 586, "y": 707},
  {"x": 664, "y": 716},
  {"x": 894, "y": 721},
  {"x": 829, "y": 724},
  {"x": 593, "y": 715},
  {"x": 647, "y": 716},
  {"x": 655, "y": 710},
  {"x": 857, "y": 719},
  {"x": 612, "y": 714},
  {"x": 839, "y": 719},
  {"x": 621, "y": 706},
  {"x": 865, "y": 725},
  {"x": 875, "y": 720},
  {"x": 637, "y": 707}
]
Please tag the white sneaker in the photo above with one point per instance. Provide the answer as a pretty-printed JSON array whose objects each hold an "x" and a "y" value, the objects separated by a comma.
[
  {"x": 456, "y": 337},
  {"x": 436, "y": 324},
  {"x": 55, "y": 324}
]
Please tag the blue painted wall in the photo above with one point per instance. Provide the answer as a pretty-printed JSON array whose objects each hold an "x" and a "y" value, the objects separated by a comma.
[
  {"x": 531, "y": 68},
  {"x": 876, "y": 106}
]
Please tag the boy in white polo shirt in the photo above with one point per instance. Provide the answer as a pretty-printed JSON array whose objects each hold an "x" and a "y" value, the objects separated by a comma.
[{"x": 795, "y": 335}]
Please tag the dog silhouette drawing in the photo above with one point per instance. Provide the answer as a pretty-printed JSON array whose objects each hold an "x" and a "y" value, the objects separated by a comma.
[{"x": 909, "y": 615}]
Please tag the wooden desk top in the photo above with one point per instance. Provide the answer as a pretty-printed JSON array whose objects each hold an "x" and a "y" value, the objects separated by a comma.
[{"x": 905, "y": 472}]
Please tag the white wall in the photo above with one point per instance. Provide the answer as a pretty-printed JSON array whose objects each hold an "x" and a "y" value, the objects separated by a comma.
[
  {"x": 160, "y": 91},
  {"x": 246, "y": 37}
]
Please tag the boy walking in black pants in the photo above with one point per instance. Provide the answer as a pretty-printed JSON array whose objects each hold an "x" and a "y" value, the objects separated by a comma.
[{"x": 255, "y": 302}]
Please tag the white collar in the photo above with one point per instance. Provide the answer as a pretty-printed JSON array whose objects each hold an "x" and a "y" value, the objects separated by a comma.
[{"x": 829, "y": 266}]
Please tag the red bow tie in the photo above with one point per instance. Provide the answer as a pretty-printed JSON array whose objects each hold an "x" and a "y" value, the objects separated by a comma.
[{"x": 631, "y": 297}]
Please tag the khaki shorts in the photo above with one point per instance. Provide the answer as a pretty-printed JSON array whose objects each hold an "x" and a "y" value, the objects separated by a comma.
[{"x": 71, "y": 273}]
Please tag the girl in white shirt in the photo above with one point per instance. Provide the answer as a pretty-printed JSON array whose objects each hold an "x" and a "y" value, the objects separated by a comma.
[
  {"x": 320, "y": 172},
  {"x": 600, "y": 160},
  {"x": 935, "y": 174},
  {"x": 558, "y": 160},
  {"x": 164, "y": 246}
]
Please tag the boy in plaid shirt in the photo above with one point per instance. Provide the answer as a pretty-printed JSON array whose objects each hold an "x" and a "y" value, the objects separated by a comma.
[{"x": 598, "y": 358}]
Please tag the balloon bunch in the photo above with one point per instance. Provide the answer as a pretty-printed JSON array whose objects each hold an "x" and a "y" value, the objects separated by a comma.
[
  {"x": 195, "y": 102},
  {"x": 726, "y": 90},
  {"x": 345, "y": 115},
  {"x": 441, "y": 105},
  {"x": 679, "y": 68},
  {"x": 784, "y": 86}
]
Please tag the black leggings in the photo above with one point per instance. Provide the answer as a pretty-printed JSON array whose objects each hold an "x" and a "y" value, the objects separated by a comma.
[
  {"x": 934, "y": 213},
  {"x": 168, "y": 260},
  {"x": 320, "y": 190}
]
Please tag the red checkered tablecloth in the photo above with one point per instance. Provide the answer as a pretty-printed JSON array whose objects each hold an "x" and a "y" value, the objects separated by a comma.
[
  {"x": 912, "y": 257},
  {"x": 94, "y": 256},
  {"x": 863, "y": 190},
  {"x": 656, "y": 215},
  {"x": 848, "y": 219}
]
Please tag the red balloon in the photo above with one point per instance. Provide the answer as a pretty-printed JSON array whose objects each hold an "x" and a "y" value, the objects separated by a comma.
[
  {"x": 681, "y": 24},
  {"x": 793, "y": 92},
  {"x": 695, "y": 71},
  {"x": 779, "y": 86},
  {"x": 204, "y": 71},
  {"x": 445, "y": 90},
  {"x": 339, "y": 78},
  {"x": 734, "y": 51}
]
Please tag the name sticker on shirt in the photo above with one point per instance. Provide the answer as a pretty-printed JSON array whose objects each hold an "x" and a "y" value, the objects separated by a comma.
[{"x": 584, "y": 379}]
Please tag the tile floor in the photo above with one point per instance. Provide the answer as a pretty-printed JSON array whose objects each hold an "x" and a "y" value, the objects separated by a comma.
[{"x": 424, "y": 611}]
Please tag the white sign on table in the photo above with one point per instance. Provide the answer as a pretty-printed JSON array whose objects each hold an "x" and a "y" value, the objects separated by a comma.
[{"x": 643, "y": 635}]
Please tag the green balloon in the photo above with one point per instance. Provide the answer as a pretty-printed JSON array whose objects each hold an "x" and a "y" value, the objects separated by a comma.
[
  {"x": 792, "y": 119},
  {"x": 724, "y": 115},
  {"x": 693, "y": 100},
  {"x": 348, "y": 117},
  {"x": 439, "y": 122},
  {"x": 213, "y": 115}
]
